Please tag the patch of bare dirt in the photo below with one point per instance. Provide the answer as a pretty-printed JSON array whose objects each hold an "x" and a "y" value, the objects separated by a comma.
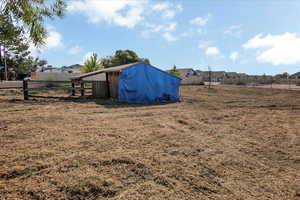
[{"x": 219, "y": 143}]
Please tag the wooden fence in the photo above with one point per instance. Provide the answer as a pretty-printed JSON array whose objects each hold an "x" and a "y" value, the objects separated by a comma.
[{"x": 99, "y": 89}]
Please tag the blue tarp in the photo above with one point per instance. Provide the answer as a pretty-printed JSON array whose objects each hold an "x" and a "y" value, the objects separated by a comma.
[{"x": 143, "y": 83}]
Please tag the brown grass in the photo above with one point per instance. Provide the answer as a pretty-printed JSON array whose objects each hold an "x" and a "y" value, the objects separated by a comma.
[{"x": 223, "y": 143}]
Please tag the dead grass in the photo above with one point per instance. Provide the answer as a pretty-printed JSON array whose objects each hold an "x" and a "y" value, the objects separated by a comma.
[{"x": 223, "y": 143}]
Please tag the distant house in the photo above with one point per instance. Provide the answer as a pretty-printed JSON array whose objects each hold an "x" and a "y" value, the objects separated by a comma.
[
  {"x": 295, "y": 76},
  {"x": 72, "y": 68},
  {"x": 50, "y": 73},
  {"x": 232, "y": 75},
  {"x": 49, "y": 69},
  {"x": 189, "y": 76},
  {"x": 186, "y": 72},
  {"x": 216, "y": 76}
]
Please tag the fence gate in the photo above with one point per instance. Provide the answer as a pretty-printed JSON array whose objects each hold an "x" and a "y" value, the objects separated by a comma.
[{"x": 99, "y": 89}]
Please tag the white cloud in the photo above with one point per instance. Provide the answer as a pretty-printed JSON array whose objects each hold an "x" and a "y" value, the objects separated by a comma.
[
  {"x": 179, "y": 7},
  {"x": 165, "y": 30},
  {"x": 53, "y": 40},
  {"x": 194, "y": 32},
  {"x": 127, "y": 13},
  {"x": 234, "y": 56},
  {"x": 276, "y": 49},
  {"x": 201, "y": 21},
  {"x": 212, "y": 51},
  {"x": 268, "y": 41},
  {"x": 169, "y": 10},
  {"x": 151, "y": 28},
  {"x": 169, "y": 37},
  {"x": 130, "y": 13},
  {"x": 75, "y": 50},
  {"x": 235, "y": 31},
  {"x": 161, "y": 6},
  {"x": 171, "y": 27},
  {"x": 169, "y": 14},
  {"x": 203, "y": 44},
  {"x": 87, "y": 55}
]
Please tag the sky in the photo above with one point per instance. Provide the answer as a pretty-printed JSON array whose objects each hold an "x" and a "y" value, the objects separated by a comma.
[{"x": 247, "y": 36}]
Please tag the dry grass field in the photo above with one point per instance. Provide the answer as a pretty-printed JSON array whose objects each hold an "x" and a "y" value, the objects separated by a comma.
[{"x": 222, "y": 143}]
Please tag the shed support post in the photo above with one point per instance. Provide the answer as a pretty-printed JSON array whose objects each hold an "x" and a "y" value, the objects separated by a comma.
[
  {"x": 73, "y": 89},
  {"x": 25, "y": 89},
  {"x": 107, "y": 83},
  {"x": 82, "y": 88}
]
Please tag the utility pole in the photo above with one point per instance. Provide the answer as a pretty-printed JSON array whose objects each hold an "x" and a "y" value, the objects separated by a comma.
[
  {"x": 209, "y": 76},
  {"x": 289, "y": 80}
]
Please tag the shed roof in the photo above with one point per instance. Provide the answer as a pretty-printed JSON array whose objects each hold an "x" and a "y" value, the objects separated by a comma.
[
  {"x": 115, "y": 69},
  {"x": 110, "y": 69}
]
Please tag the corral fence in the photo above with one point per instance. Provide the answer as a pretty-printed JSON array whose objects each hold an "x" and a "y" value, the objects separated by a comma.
[
  {"x": 263, "y": 81},
  {"x": 35, "y": 88},
  {"x": 99, "y": 89},
  {"x": 288, "y": 84},
  {"x": 10, "y": 84},
  {"x": 192, "y": 80},
  {"x": 248, "y": 81}
]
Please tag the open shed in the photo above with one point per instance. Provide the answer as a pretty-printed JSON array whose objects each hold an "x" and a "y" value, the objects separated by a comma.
[{"x": 135, "y": 83}]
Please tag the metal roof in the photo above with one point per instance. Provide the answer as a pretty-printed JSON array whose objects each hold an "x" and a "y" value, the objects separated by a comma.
[{"x": 110, "y": 69}]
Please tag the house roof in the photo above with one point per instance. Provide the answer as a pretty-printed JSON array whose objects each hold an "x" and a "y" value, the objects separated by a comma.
[
  {"x": 184, "y": 72},
  {"x": 296, "y": 74},
  {"x": 110, "y": 69},
  {"x": 72, "y": 66}
]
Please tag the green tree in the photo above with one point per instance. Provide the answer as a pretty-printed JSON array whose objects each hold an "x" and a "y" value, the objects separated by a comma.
[
  {"x": 23, "y": 66},
  {"x": 122, "y": 57},
  {"x": 93, "y": 63},
  {"x": 285, "y": 75},
  {"x": 174, "y": 71},
  {"x": 29, "y": 15},
  {"x": 21, "y": 22},
  {"x": 16, "y": 48}
]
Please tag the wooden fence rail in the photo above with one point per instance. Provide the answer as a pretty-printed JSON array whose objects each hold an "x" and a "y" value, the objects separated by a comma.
[{"x": 99, "y": 88}]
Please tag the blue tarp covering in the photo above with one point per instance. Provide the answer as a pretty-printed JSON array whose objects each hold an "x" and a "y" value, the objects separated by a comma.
[{"x": 142, "y": 83}]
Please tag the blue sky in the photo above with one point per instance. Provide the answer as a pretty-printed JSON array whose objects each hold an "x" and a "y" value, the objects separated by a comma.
[{"x": 251, "y": 36}]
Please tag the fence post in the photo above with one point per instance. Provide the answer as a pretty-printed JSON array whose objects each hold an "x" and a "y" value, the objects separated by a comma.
[
  {"x": 25, "y": 89},
  {"x": 82, "y": 88},
  {"x": 73, "y": 88}
]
